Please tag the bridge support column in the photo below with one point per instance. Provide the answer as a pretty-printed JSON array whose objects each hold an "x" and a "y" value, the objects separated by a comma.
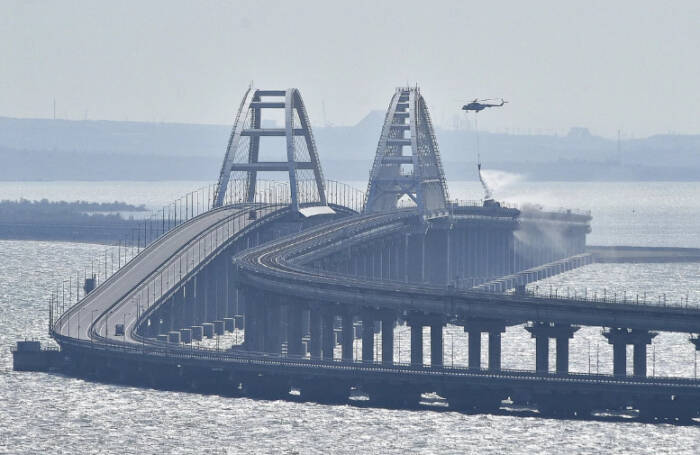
[
  {"x": 495, "y": 349},
  {"x": 315, "y": 333},
  {"x": 188, "y": 319},
  {"x": 154, "y": 326},
  {"x": 199, "y": 297},
  {"x": 475, "y": 327},
  {"x": 436, "y": 344},
  {"x": 211, "y": 292},
  {"x": 620, "y": 338},
  {"x": 542, "y": 354},
  {"x": 388, "y": 321},
  {"x": 251, "y": 321},
  {"x": 166, "y": 315},
  {"x": 348, "y": 336},
  {"x": 178, "y": 309},
  {"x": 416, "y": 325},
  {"x": 273, "y": 327},
  {"x": 327, "y": 347},
  {"x": 294, "y": 330},
  {"x": 221, "y": 285},
  {"x": 474, "y": 349},
  {"x": 231, "y": 291},
  {"x": 542, "y": 332},
  {"x": 367, "y": 336}
]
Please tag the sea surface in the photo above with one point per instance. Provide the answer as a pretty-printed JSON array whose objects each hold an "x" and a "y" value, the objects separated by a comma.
[{"x": 48, "y": 413}]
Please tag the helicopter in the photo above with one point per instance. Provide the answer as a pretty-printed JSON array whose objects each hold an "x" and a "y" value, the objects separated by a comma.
[{"x": 479, "y": 105}]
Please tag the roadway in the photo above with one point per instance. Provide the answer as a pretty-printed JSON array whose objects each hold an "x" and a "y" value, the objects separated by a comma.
[
  {"x": 280, "y": 266},
  {"x": 152, "y": 273}
]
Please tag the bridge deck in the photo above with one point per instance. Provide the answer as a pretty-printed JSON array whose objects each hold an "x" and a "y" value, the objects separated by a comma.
[
  {"x": 277, "y": 266},
  {"x": 157, "y": 269}
]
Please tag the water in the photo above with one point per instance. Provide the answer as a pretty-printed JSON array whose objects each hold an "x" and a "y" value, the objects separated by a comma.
[
  {"x": 43, "y": 413},
  {"x": 626, "y": 213}
]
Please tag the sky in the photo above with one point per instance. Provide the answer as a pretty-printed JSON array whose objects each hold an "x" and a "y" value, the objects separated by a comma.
[{"x": 628, "y": 66}]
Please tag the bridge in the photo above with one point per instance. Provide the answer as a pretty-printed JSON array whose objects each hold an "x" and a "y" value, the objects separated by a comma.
[{"x": 305, "y": 267}]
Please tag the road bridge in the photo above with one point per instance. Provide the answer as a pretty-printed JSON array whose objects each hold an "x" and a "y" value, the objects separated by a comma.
[{"x": 300, "y": 272}]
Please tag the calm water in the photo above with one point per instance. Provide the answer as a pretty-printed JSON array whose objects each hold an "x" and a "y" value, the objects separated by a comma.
[{"x": 41, "y": 413}]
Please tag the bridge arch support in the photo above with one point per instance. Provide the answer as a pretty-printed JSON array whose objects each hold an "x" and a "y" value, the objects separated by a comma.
[
  {"x": 407, "y": 162},
  {"x": 239, "y": 172}
]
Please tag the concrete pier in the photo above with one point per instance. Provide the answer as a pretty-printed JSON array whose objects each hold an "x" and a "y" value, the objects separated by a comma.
[
  {"x": 494, "y": 328},
  {"x": 639, "y": 339},
  {"x": 197, "y": 332},
  {"x": 388, "y": 322},
  {"x": 542, "y": 332},
  {"x": 348, "y": 336},
  {"x": 186, "y": 335},
  {"x": 208, "y": 329},
  {"x": 367, "y": 336},
  {"x": 229, "y": 325},
  {"x": 327, "y": 337}
]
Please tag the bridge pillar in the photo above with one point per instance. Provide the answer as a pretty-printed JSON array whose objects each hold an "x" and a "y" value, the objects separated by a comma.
[
  {"x": 620, "y": 338},
  {"x": 273, "y": 327},
  {"x": 294, "y": 330},
  {"x": 327, "y": 348},
  {"x": 416, "y": 325},
  {"x": 475, "y": 327},
  {"x": 495, "y": 349},
  {"x": 252, "y": 323},
  {"x": 179, "y": 309},
  {"x": 348, "y": 336},
  {"x": 221, "y": 285},
  {"x": 188, "y": 311},
  {"x": 154, "y": 325},
  {"x": 367, "y": 336},
  {"x": 542, "y": 332},
  {"x": 436, "y": 343},
  {"x": 315, "y": 333},
  {"x": 211, "y": 292},
  {"x": 199, "y": 298},
  {"x": 231, "y": 291},
  {"x": 388, "y": 321},
  {"x": 474, "y": 349},
  {"x": 166, "y": 317}
]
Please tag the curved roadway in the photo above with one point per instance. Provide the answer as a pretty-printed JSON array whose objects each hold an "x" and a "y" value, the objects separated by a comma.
[
  {"x": 152, "y": 273},
  {"x": 282, "y": 266}
]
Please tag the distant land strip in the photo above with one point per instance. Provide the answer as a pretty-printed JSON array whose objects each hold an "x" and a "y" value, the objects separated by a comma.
[{"x": 643, "y": 254}]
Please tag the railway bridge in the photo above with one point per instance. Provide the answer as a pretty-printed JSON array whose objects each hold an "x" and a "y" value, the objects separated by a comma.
[{"x": 307, "y": 272}]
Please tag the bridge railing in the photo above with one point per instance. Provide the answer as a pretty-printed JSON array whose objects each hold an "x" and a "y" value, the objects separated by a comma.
[
  {"x": 569, "y": 294},
  {"x": 149, "y": 228},
  {"x": 615, "y": 297}
]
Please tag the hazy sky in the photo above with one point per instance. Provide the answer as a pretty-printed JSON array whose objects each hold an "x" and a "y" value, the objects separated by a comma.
[{"x": 608, "y": 65}]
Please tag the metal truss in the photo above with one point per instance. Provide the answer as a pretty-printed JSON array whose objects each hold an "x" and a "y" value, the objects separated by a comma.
[
  {"x": 239, "y": 171},
  {"x": 407, "y": 162}
]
